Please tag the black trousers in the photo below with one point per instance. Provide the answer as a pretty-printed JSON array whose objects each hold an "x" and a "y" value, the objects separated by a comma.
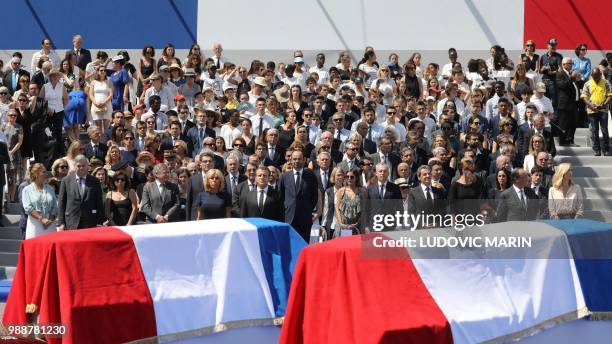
[
  {"x": 567, "y": 120},
  {"x": 57, "y": 124}
]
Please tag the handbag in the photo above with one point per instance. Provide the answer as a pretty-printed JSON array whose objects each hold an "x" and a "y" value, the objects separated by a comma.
[{"x": 99, "y": 110}]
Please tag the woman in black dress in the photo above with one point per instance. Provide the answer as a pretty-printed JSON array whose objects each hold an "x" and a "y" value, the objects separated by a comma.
[
  {"x": 146, "y": 66},
  {"x": 213, "y": 202},
  {"x": 121, "y": 202},
  {"x": 466, "y": 193},
  {"x": 183, "y": 177}
]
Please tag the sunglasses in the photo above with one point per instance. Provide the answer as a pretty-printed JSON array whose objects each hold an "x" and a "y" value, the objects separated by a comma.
[
  {"x": 476, "y": 123},
  {"x": 530, "y": 45},
  {"x": 391, "y": 113},
  {"x": 335, "y": 119},
  {"x": 350, "y": 177},
  {"x": 238, "y": 145},
  {"x": 325, "y": 147},
  {"x": 23, "y": 100},
  {"x": 366, "y": 164}
]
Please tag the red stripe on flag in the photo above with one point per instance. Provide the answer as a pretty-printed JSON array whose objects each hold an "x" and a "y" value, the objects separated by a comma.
[
  {"x": 89, "y": 280},
  {"x": 571, "y": 22},
  {"x": 337, "y": 296}
]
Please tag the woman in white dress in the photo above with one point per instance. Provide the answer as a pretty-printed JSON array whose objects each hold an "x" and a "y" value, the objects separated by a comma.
[
  {"x": 100, "y": 95},
  {"x": 39, "y": 204}
]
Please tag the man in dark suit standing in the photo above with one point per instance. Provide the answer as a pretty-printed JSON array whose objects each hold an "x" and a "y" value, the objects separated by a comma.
[
  {"x": 323, "y": 171},
  {"x": 386, "y": 156},
  {"x": 80, "y": 198},
  {"x": 263, "y": 201},
  {"x": 160, "y": 199},
  {"x": 274, "y": 152},
  {"x": 527, "y": 130},
  {"x": 567, "y": 103},
  {"x": 424, "y": 199},
  {"x": 198, "y": 133},
  {"x": 243, "y": 188},
  {"x": 300, "y": 191},
  {"x": 12, "y": 75},
  {"x": 95, "y": 147},
  {"x": 519, "y": 202},
  {"x": 175, "y": 134},
  {"x": 350, "y": 159},
  {"x": 195, "y": 185},
  {"x": 382, "y": 198},
  {"x": 367, "y": 146},
  {"x": 83, "y": 55},
  {"x": 233, "y": 177}
]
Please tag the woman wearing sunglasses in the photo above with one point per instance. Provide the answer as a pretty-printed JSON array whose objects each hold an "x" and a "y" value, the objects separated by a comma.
[{"x": 121, "y": 201}]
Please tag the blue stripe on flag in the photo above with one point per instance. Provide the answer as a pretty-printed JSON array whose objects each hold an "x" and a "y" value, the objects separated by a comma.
[
  {"x": 590, "y": 242},
  {"x": 280, "y": 246}
]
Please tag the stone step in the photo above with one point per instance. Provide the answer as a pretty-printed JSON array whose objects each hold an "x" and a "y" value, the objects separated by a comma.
[
  {"x": 601, "y": 182},
  {"x": 584, "y": 160},
  {"x": 598, "y": 215},
  {"x": 592, "y": 171},
  {"x": 10, "y": 233},
  {"x": 10, "y": 245},
  {"x": 12, "y": 208},
  {"x": 583, "y": 150},
  {"x": 597, "y": 204},
  {"x": 11, "y": 219},
  {"x": 8, "y": 259},
  {"x": 598, "y": 193}
]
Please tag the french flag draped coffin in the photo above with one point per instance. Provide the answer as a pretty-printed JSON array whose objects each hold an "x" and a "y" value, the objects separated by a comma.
[
  {"x": 348, "y": 291},
  {"x": 162, "y": 282}
]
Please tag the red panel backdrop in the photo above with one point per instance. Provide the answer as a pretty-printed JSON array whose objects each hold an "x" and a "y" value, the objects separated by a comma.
[{"x": 570, "y": 22}]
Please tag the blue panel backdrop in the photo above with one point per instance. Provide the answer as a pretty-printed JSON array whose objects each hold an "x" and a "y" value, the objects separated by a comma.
[{"x": 111, "y": 24}]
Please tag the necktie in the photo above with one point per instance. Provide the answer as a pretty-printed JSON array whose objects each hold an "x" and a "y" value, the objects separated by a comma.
[
  {"x": 251, "y": 186},
  {"x": 298, "y": 181},
  {"x": 384, "y": 159},
  {"x": 271, "y": 153},
  {"x": 381, "y": 192},
  {"x": 369, "y": 137},
  {"x": 15, "y": 76},
  {"x": 233, "y": 182},
  {"x": 523, "y": 199},
  {"x": 201, "y": 136},
  {"x": 82, "y": 185},
  {"x": 429, "y": 198},
  {"x": 95, "y": 150},
  {"x": 350, "y": 164},
  {"x": 260, "y": 126},
  {"x": 338, "y": 134},
  {"x": 324, "y": 179},
  {"x": 218, "y": 62},
  {"x": 161, "y": 191},
  {"x": 260, "y": 204}
]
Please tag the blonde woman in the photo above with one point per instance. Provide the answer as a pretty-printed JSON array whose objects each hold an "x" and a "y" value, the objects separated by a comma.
[
  {"x": 39, "y": 203},
  {"x": 564, "y": 197},
  {"x": 213, "y": 202},
  {"x": 113, "y": 156},
  {"x": 75, "y": 148}
]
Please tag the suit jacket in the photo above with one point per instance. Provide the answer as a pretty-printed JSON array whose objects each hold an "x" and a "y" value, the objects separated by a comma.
[
  {"x": 345, "y": 166},
  {"x": 299, "y": 202},
  {"x": 83, "y": 58},
  {"x": 38, "y": 78},
  {"x": 80, "y": 211},
  {"x": 193, "y": 135},
  {"x": 525, "y": 134},
  {"x": 510, "y": 207},
  {"x": 317, "y": 173},
  {"x": 390, "y": 204},
  {"x": 278, "y": 159},
  {"x": 228, "y": 183},
  {"x": 101, "y": 153},
  {"x": 155, "y": 203},
  {"x": 542, "y": 195},
  {"x": 494, "y": 124},
  {"x": 367, "y": 147},
  {"x": 239, "y": 193},
  {"x": 195, "y": 185},
  {"x": 566, "y": 93},
  {"x": 137, "y": 178},
  {"x": 272, "y": 208},
  {"x": 417, "y": 202},
  {"x": 393, "y": 160},
  {"x": 7, "y": 80},
  {"x": 166, "y": 143},
  {"x": 330, "y": 209},
  {"x": 188, "y": 125}
]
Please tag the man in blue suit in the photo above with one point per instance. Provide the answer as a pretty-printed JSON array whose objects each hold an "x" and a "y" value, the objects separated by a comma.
[
  {"x": 300, "y": 191},
  {"x": 198, "y": 133}
]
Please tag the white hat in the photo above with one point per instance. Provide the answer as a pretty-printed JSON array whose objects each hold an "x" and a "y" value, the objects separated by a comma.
[
  {"x": 260, "y": 81},
  {"x": 540, "y": 87},
  {"x": 298, "y": 59},
  {"x": 227, "y": 86},
  {"x": 430, "y": 98},
  {"x": 117, "y": 58}
]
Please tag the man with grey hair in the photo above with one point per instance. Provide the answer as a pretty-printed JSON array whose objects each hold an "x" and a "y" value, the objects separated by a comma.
[
  {"x": 274, "y": 152},
  {"x": 80, "y": 198},
  {"x": 351, "y": 158},
  {"x": 83, "y": 55},
  {"x": 95, "y": 147},
  {"x": 426, "y": 199},
  {"x": 12, "y": 75},
  {"x": 233, "y": 177},
  {"x": 160, "y": 198},
  {"x": 382, "y": 198},
  {"x": 567, "y": 102}
]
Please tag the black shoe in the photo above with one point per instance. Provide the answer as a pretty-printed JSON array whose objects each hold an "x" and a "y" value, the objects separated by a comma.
[{"x": 597, "y": 153}]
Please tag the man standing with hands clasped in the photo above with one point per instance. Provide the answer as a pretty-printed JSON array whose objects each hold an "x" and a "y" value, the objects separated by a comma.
[
  {"x": 519, "y": 202},
  {"x": 597, "y": 93},
  {"x": 160, "y": 199},
  {"x": 80, "y": 199}
]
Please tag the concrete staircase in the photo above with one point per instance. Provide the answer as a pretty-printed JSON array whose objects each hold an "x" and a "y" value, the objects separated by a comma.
[{"x": 592, "y": 173}]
